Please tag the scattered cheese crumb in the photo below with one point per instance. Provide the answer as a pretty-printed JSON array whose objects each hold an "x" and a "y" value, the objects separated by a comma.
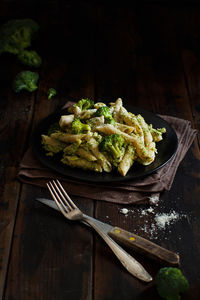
[
  {"x": 159, "y": 221},
  {"x": 124, "y": 211},
  {"x": 165, "y": 219},
  {"x": 150, "y": 209},
  {"x": 154, "y": 199}
]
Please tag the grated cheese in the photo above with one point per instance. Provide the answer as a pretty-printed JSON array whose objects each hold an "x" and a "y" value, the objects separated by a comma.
[
  {"x": 159, "y": 221},
  {"x": 124, "y": 211},
  {"x": 154, "y": 199},
  {"x": 165, "y": 219}
]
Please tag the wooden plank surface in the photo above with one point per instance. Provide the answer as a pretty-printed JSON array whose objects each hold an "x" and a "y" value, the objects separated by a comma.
[
  {"x": 148, "y": 56},
  {"x": 157, "y": 84},
  {"x": 16, "y": 116},
  {"x": 42, "y": 255}
]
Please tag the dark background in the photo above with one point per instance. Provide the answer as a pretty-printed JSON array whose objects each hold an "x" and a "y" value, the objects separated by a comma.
[{"x": 148, "y": 54}]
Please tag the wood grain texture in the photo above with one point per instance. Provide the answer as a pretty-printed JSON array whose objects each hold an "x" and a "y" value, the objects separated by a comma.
[
  {"x": 16, "y": 116},
  {"x": 51, "y": 258},
  {"x": 149, "y": 56},
  {"x": 156, "y": 81}
]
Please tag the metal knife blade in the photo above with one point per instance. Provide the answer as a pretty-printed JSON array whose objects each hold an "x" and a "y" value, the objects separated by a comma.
[
  {"x": 129, "y": 239},
  {"x": 106, "y": 228}
]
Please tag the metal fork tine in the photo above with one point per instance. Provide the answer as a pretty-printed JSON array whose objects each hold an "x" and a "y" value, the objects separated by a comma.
[
  {"x": 69, "y": 202},
  {"x": 61, "y": 193},
  {"x": 57, "y": 198}
]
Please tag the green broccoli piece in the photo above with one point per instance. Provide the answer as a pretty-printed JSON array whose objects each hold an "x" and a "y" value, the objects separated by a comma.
[
  {"x": 105, "y": 111},
  {"x": 30, "y": 58},
  {"x": 97, "y": 137},
  {"x": 78, "y": 127},
  {"x": 113, "y": 145},
  {"x": 16, "y": 35},
  {"x": 83, "y": 104},
  {"x": 25, "y": 80},
  {"x": 170, "y": 282},
  {"x": 51, "y": 93}
]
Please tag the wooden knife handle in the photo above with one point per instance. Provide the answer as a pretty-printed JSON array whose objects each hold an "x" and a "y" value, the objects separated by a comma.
[{"x": 145, "y": 247}]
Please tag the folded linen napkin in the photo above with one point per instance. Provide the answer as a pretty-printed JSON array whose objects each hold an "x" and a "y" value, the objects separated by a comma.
[{"x": 135, "y": 191}]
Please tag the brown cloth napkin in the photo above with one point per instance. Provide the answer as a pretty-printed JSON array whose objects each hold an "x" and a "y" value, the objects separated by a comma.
[{"x": 138, "y": 191}]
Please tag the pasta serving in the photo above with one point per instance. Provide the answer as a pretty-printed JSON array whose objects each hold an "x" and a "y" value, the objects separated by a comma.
[{"x": 94, "y": 136}]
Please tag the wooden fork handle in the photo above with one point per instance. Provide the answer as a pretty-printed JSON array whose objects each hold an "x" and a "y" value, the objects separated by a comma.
[{"x": 144, "y": 246}]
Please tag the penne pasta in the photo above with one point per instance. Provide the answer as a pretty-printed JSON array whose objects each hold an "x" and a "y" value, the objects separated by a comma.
[
  {"x": 93, "y": 145},
  {"x": 124, "y": 128},
  {"x": 96, "y": 121},
  {"x": 131, "y": 120},
  {"x": 75, "y": 161},
  {"x": 67, "y": 137},
  {"x": 98, "y": 137},
  {"x": 127, "y": 161},
  {"x": 66, "y": 120},
  {"x": 52, "y": 145},
  {"x": 116, "y": 108},
  {"x": 146, "y": 132},
  {"x": 85, "y": 154}
]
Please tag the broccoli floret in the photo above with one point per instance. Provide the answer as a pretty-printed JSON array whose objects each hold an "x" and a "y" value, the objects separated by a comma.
[
  {"x": 113, "y": 146},
  {"x": 105, "y": 111},
  {"x": 170, "y": 282},
  {"x": 30, "y": 58},
  {"x": 16, "y": 35},
  {"x": 78, "y": 127},
  {"x": 97, "y": 137},
  {"x": 82, "y": 104},
  {"x": 51, "y": 93},
  {"x": 25, "y": 80}
]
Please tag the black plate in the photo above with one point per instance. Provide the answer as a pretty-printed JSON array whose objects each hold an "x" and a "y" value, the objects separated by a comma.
[{"x": 166, "y": 150}]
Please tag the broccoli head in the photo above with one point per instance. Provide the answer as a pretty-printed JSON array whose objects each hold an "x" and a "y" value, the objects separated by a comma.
[
  {"x": 16, "y": 35},
  {"x": 30, "y": 58},
  {"x": 78, "y": 127},
  {"x": 51, "y": 93},
  {"x": 113, "y": 145},
  {"x": 105, "y": 111},
  {"x": 25, "y": 80},
  {"x": 82, "y": 104},
  {"x": 170, "y": 282}
]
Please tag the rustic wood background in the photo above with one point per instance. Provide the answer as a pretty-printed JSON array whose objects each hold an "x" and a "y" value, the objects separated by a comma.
[{"x": 147, "y": 54}]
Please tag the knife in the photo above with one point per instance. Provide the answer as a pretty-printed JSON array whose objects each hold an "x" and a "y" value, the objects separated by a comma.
[{"x": 131, "y": 240}]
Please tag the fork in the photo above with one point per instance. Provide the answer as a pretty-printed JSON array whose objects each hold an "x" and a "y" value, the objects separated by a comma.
[{"x": 72, "y": 212}]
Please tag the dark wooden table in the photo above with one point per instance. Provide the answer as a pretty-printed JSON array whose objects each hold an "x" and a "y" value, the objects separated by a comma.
[{"x": 149, "y": 55}]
